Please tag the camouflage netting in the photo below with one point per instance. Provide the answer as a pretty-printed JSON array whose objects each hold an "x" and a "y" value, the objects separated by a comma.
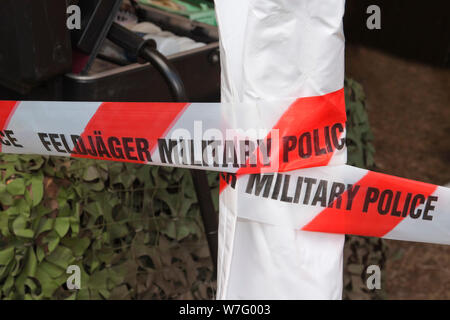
[{"x": 360, "y": 252}]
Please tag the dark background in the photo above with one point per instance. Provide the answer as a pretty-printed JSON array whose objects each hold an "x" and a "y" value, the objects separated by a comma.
[
  {"x": 409, "y": 28},
  {"x": 404, "y": 71}
]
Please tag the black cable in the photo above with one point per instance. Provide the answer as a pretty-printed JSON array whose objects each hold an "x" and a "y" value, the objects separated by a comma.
[
  {"x": 165, "y": 68},
  {"x": 146, "y": 49},
  {"x": 202, "y": 190}
]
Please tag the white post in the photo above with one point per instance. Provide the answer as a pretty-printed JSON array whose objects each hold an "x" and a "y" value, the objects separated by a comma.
[{"x": 273, "y": 50}]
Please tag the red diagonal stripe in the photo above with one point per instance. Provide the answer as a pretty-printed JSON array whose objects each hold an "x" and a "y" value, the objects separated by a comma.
[
  {"x": 370, "y": 223},
  {"x": 7, "y": 109},
  {"x": 305, "y": 115},
  {"x": 133, "y": 119}
]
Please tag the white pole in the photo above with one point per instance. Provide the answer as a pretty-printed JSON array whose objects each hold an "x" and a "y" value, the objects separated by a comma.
[{"x": 273, "y": 50}]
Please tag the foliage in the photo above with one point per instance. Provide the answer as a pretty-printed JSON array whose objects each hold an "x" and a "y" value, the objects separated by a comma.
[
  {"x": 134, "y": 230},
  {"x": 360, "y": 252},
  {"x": 359, "y": 136}
]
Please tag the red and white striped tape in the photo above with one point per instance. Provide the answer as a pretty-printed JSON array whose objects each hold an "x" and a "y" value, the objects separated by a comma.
[
  {"x": 246, "y": 138},
  {"x": 312, "y": 191},
  {"x": 347, "y": 200}
]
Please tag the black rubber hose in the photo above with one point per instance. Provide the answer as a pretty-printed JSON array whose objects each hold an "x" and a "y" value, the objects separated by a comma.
[
  {"x": 202, "y": 190},
  {"x": 146, "y": 49},
  {"x": 165, "y": 68},
  {"x": 207, "y": 211}
]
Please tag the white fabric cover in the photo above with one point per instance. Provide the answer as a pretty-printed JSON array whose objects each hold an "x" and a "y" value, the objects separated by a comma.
[{"x": 271, "y": 50}]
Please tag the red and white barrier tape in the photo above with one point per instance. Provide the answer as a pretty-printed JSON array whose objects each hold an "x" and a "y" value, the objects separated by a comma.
[
  {"x": 306, "y": 170},
  {"x": 267, "y": 137},
  {"x": 347, "y": 200}
]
